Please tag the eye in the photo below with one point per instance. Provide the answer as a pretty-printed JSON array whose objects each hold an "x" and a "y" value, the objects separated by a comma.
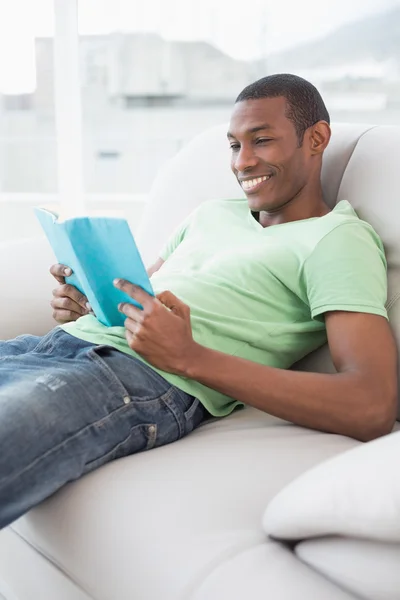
[
  {"x": 234, "y": 146},
  {"x": 263, "y": 140}
]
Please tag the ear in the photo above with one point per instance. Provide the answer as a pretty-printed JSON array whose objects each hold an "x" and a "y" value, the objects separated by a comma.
[{"x": 319, "y": 136}]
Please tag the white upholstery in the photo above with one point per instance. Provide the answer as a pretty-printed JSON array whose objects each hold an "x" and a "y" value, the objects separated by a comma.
[
  {"x": 201, "y": 171},
  {"x": 267, "y": 571},
  {"x": 165, "y": 524},
  {"x": 356, "y": 494},
  {"x": 368, "y": 569},
  {"x": 25, "y": 298},
  {"x": 370, "y": 183},
  {"x": 352, "y": 170},
  {"x": 184, "y": 522}
]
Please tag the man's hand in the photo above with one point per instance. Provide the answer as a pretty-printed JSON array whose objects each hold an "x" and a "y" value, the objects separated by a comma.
[
  {"x": 68, "y": 303},
  {"x": 161, "y": 332}
]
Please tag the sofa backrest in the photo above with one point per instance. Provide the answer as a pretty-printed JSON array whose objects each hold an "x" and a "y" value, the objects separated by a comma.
[{"x": 360, "y": 165}]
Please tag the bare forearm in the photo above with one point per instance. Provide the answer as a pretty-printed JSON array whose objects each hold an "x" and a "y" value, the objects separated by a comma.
[{"x": 334, "y": 403}]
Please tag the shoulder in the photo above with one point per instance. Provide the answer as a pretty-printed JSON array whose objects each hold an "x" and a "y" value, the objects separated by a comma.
[{"x": 343, "y": 231}]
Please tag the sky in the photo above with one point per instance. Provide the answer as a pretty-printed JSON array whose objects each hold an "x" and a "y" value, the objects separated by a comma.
[{"x": 244, "y": 29}]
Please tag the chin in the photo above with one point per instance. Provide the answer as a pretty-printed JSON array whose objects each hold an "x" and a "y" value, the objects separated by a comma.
[{"x": 257, "y": 204}]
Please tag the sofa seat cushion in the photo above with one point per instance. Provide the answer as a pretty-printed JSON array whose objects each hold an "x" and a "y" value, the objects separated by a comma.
[
  {"x": 268, "y": 571},
  {"x": 366, "y": 568},
  {"x": 356, "y": 494},
  {"x": 25, "y": 574},
  {"x": 159, "y": 524}
]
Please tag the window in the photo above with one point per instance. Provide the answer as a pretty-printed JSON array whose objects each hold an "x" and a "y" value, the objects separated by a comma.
[
  {"x": 155, "y": 73},
  {"x": 151, "y": 75},
  {"x": 27, "y": 130},
  {"x": 145, "y": 90}
]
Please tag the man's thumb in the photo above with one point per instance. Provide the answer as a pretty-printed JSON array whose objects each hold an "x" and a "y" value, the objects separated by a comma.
[{"x": 178, "y": 307}]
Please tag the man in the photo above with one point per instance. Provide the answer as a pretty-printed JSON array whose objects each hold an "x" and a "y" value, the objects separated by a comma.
[{"x": 252, "y": 287}]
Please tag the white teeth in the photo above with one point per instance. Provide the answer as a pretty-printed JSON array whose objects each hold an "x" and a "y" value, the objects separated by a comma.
[{"x": 250, "y": 183}]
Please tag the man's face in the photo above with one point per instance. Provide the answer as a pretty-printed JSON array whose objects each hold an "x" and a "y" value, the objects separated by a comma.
[{"x": 266, "y": 158}]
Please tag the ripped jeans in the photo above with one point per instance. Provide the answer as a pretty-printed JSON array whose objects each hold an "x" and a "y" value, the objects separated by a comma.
[{"x": 68, "y": 407}]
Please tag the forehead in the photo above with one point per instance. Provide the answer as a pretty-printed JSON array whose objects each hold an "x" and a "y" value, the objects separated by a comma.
[{"x": 250, "y": 114}]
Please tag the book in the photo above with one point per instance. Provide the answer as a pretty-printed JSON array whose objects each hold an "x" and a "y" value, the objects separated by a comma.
[{"x": 98, "y": 249}]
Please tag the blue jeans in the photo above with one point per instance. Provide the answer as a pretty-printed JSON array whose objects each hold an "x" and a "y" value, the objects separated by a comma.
[{"x": 68, "y": 407}]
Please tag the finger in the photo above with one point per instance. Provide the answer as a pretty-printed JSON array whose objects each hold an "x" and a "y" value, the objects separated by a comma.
[
  {"x": 131, "y": 311},
  {"x": 65, "y": 316},
  {"x": 65, "y": 303},
  {"x": 173, "y": 303},
  {"x": 131, "y": 339},
  {"x": 70, "y": 291},
  {"x": 135, "y": 292},
  {"x": 59, "y": 272},
  {"x": 132, "y": 326}
]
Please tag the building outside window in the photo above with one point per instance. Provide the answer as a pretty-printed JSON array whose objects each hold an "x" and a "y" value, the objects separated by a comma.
[{"x": 152, "y": 75}]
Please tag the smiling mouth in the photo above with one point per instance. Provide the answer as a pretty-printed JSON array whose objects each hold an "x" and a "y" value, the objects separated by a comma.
[{"x": 250, "y": 185}]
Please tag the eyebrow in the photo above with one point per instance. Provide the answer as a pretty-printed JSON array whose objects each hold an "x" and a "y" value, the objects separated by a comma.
[{"x": 253, "y": 129}]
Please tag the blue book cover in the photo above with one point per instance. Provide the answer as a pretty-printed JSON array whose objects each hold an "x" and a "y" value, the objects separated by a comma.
[{"x": 98, "y": 250}]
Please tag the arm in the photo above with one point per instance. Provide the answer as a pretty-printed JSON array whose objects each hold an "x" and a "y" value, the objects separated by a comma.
[
  {"x": 155, "y": 267},
  {"x": 359, "y": 401}
]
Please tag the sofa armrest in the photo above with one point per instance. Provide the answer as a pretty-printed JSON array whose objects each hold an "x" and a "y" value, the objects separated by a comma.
[{"x": 26, "y": 287}]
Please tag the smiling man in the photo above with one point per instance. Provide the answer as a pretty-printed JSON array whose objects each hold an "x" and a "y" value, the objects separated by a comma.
[{"x": 244, "y": 290}]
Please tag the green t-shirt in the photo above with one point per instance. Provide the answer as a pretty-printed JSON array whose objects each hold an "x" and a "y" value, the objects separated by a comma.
[{"x": 260, "y": 293}]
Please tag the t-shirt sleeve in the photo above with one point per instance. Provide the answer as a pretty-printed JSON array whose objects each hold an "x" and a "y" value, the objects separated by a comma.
[
  {"x": 176, "y": 238},
  {"x": 347, "y": 271}
]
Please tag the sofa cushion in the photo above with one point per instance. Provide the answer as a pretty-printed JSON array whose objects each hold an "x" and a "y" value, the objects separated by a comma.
[
  {"x": 349, "y": 172},
  {"x": 354, "y": 494},
  {"x": 368, "y": 569},
  {"x": 159, "y": 524},
  {"x": 370, "y": 184},
  {"x": 266, "y": 571},
  {"x": 25, "y": 264},
  {"x": 40, "y": 580},
  {"x": 201, "y": 171}
]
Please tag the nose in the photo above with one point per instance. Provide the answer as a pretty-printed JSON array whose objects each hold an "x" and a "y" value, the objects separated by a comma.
[{"x": 244, "y": 158}]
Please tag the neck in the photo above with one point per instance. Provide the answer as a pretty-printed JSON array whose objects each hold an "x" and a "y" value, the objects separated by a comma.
[{"x": 298, "y": 208}]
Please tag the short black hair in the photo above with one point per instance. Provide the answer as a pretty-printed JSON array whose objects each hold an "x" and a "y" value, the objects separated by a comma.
[{"x": 305, "y": 106}]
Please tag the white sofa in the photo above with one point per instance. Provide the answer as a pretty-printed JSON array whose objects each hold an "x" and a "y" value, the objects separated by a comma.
[{"x": 233, "y": 511}]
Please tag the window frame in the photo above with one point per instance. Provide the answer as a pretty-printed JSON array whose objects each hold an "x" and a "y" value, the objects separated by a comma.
[
  {"x": 70, "y": 193},
  {"x": 68, "y": 107}
]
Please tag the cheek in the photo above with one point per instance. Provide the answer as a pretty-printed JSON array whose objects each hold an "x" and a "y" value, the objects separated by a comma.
[
  {"x": 296, "y": 168},
  {"x": 269, "y": 155}
]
